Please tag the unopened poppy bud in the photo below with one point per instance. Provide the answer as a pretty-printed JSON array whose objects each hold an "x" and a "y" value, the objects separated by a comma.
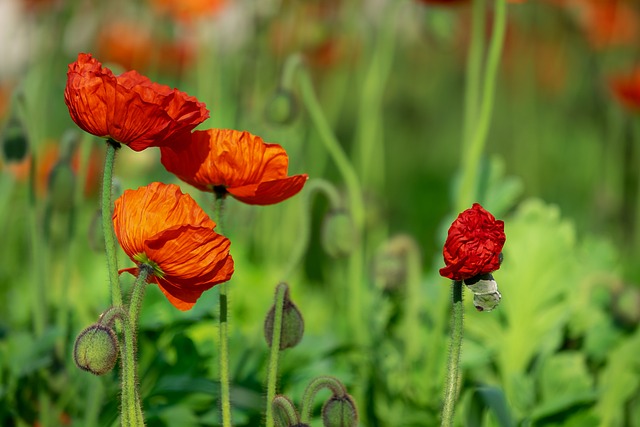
[
  {"x": 96, "y": 349},
  {"x": 61, "y": 181},
  {"x": 339, "y": 411},
  {"x": 282, "y": 108},
  {"x": 292, "y": 324},
  {"x": 339, "y": 236},
  {"x": 14, "y": 142},
  {"x": 485, "y": 292}
]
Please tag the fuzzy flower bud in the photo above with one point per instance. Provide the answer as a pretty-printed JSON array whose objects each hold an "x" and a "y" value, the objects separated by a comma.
[
  {"x": 282, "y": 108},
  {"x": 96, "y": 349},
  {"x": 292, "y": 324},
  {"x": 339, "y": 235},
  {"x": 340, "y": 411}
]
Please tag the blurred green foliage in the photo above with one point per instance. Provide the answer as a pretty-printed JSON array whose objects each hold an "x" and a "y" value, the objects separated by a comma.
[{"x": 561, "y": 170}]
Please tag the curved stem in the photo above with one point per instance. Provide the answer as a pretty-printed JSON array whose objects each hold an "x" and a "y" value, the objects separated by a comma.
[
  {"x": 107, "y": 225},
  {"x": 451, "y": 390},
  {"x": 313, "y": 388},
  {"x": 225, "y": 393},
  {"x": 316, "y": 185},
  {"x": 472, "y": 152},
  {"x": 354, "y": 295},
  {"x": 288, "y": 409},
  {"x": 131, "y": 406},
  {"x": 272, "y": 375}
]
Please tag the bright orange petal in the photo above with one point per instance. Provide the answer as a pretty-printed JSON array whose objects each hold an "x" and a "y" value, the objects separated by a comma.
[
  {"x": 128, "y": 108},
  {"x": 249, "y": 169},
  {"x": 269, "y": 192}
]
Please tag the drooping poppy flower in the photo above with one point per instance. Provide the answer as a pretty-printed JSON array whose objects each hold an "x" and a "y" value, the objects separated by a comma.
[
  {"x": 626, "y": 89},
  {"x": 473, "y": 245},
  {"x": 129, "y": 108},
  {"x": 163, "y": 228},
  {"x": 232, "y": 162}
]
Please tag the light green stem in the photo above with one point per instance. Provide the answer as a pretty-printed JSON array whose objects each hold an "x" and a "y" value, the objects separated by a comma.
[
  {"x": 474, "y": 70},
  {"x": 272, "y": 375},
  {"x": 471, "y": 153},
  {"x": 313, "y": 388},
  {"x": 348, "y": 173},
  {"x": 451, "y": 390},
  {"x": 224, "y": 358},
  {"x": 315, "y": 185},
  {"x": 131, "y": 407},
  {"x": 225, "y": 392},
  {"x": 107, "y": 224},
  {"x": 370, "y": 139}
]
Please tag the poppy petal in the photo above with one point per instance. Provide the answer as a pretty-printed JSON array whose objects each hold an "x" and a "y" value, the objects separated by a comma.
[{"x": 270, "y": 192}]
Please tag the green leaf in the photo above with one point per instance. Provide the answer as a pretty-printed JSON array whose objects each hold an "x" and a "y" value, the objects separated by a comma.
[
  {"x": 488, "y": 399},
  {"x": 619, "y": 381}
]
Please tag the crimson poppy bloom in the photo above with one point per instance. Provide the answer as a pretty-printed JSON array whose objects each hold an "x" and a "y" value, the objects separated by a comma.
[
  {"x": 163, "y": 228},
  {"x": 129, "y": 108},
  {"x": 226, "y": 161},
  {"x": 627, "y": 90},
  {"x": 473, "y": 245}
]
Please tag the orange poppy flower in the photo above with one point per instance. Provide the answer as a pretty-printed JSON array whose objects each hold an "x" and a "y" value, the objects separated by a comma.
[
  {"x": 129, "y": 108},
  {"x": 627, "y": 90},
  {"x": 163, "y": 228},
  {"x": 238, "y": 163}
]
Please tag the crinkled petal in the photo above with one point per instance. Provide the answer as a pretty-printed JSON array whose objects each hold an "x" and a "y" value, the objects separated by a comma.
[
  {"x": 269, "y": 192},
  {"x": 128, "y": 108},
  {"x": 239, "y": 161}
]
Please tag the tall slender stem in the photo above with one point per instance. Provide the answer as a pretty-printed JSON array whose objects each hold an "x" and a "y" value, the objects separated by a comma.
[
  {"x": 272, "y": 375},
  {"x": 451, "y": 390},
  {"x": 472, "y": 152},
  {"x": 474, "y": 70},
  {"x": 356, "y": 202},
  {"x": 107, "y": 225},
  {"x": 225, "y": 392},
  {"x": 131, "y": 406}
]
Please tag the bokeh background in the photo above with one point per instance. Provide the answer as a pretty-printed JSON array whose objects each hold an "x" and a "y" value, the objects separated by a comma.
[{"x": 561, "y": 168}]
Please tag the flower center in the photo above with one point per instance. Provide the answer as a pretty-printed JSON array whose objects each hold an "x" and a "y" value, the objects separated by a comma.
[{"x": 143, "y": 259}]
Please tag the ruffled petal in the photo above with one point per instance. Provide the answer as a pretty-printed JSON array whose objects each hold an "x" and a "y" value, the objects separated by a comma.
[{"x": 270, "y": 192}]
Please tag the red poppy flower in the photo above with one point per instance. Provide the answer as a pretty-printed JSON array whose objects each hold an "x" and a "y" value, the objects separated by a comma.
[
  {"x": 239, "y": 163},
  {"x": 129, "y": 108},
  {"x": 627, "y": 90},
  {"x": 474, "y": 244},
  {"x": 159, "y": 226}
]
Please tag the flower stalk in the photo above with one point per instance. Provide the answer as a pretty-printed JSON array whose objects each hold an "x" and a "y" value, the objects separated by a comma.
[
  {"x": 131, "y": 405},
  {"x": 452, "y": 379},
  {"x": 107, "y": 224},
  {"x": 272, "y": 375}
]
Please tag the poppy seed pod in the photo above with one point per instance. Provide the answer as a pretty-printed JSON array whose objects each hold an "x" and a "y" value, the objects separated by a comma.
[
  {"x": 61, "y": 182},
  {"x": 339, "y": 235},
  {"x": 14, "y": 142},
  {"x": 340, "y": 411},
  {"x": 96, "y": 349},
  {"x": 282, "y": 108},
  {"x": 292, "y": 324}
]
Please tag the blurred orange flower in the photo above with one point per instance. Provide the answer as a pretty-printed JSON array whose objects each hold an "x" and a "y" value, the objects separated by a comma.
[
  {"x": 238, "y": 163},
  {"x": 129, "y": 108},
  {"x": 626, "y": 89},
  {"x": 187, "y": 10},
  {"x": 605, "y": 23},
  {"x": 136, "y": 47},
  {"x": 159, "y": 226}
]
